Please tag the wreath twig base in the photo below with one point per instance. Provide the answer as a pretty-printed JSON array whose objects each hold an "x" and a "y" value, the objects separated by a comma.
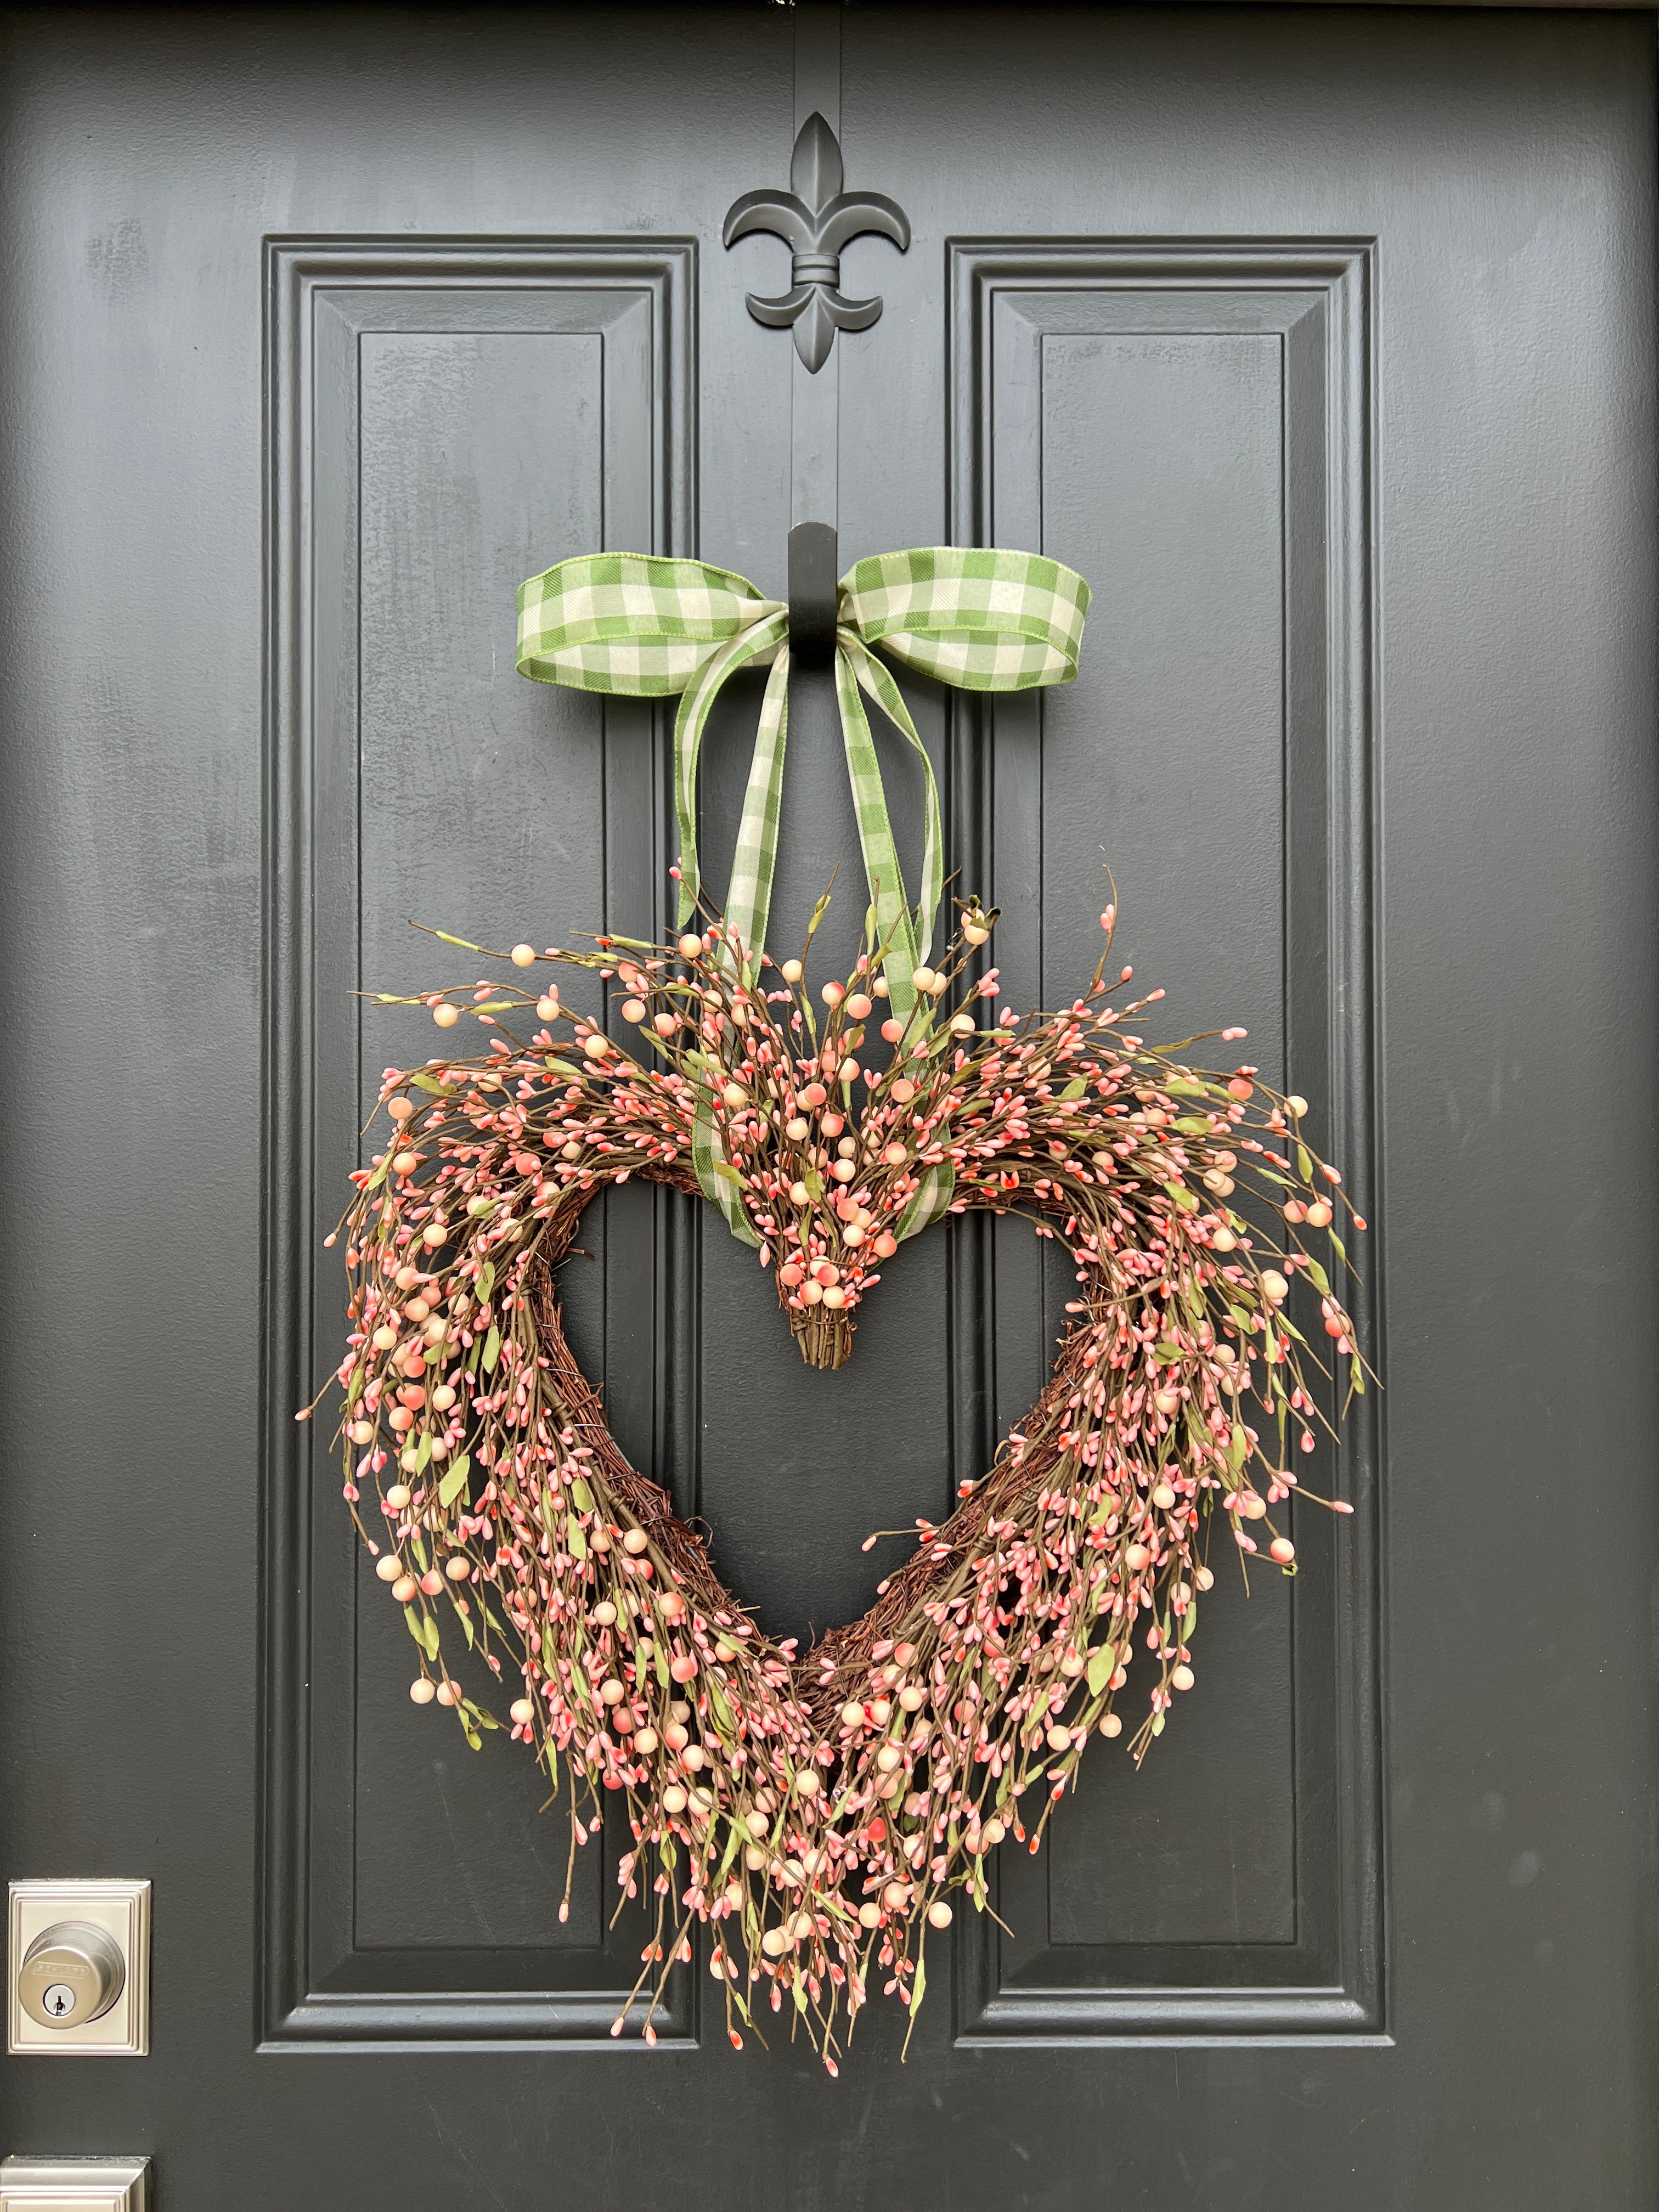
[{"x": 821, "y": 1812}]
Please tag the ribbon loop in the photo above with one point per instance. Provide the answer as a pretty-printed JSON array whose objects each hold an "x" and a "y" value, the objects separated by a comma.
[
  {"x": 978, "y": 618},
  {"x": 639, "y": 625},
  {"x": 631, "y": 623}
]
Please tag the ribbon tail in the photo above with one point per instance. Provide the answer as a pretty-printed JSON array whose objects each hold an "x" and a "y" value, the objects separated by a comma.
[
  {"x": 750, "y": 892},
  {"x": 685, "y": 807},
  {"x": 911, "y": 937},
  {"x": 879, "y": 684},
  {"x": 894, "y": 927},
  {"x": 932, "y": 1199},
  {"x": 722, "y": 1183},
  {"x": 696, "y": 705},
  {"x": 749, "y": 899},
  {"x": 747, "y": 905}
]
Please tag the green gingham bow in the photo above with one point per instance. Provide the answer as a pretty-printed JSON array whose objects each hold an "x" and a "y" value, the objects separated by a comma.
[{"x": 634, "y": 624}]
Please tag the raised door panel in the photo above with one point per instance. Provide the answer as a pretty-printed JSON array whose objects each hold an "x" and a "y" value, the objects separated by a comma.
[
  {"x": 438, "y": 414},
  {"x": 1188, "y": 425}
]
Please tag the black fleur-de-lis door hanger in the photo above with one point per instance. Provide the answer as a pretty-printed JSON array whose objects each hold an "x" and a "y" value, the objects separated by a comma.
[{"x": 815, "y": 218}]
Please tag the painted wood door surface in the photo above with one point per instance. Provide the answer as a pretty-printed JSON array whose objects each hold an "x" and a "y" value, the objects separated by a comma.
[{"x": 1322, "y": 341}]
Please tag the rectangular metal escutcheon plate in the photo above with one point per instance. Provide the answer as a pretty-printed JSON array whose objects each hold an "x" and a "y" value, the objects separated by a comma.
[
  {"x": 74, "y": 2184},
  {"x": 120, "y": 1910}
]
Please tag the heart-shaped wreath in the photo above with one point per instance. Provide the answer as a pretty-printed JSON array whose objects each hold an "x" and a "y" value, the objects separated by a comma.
[{"x": 818, "y": 1810}]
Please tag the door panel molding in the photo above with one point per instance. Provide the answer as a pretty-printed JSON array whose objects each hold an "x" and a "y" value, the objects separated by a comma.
[
  {"x": 1311, "y": 1965},
  {"x": 333, "y": 308}
]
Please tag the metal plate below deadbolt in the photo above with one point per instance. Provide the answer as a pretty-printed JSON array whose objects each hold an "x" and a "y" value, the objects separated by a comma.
[{"x": 74, "y": 2184}]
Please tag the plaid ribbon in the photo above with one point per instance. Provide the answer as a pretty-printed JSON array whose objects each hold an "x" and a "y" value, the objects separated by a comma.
[{"x": 637, "y": 624}]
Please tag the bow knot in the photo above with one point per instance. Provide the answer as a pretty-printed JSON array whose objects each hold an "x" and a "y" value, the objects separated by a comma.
[
  {"x": 979, "y": 619},
  {"x": 637, "y": 623}
]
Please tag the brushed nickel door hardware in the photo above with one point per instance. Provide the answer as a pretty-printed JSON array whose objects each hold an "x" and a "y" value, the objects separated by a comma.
[
  {"x": 74, "y": 2184},
  {"x": 72, "y": 1973},
  {"x": 78, "y": 1968}
]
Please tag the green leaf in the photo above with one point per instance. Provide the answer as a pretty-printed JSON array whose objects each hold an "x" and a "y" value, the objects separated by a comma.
[
  {"x": 1185, "y": 1199},
  {"x": 583, "y": 1496},
  {"x": 917, "y": 1986},
  {"x": 1318, "y": 1278},
  {"x": 1340, "y": 1247},
  {"x": 492, "y": 1351},
  {"x": 423, "y": 1629},
  {"x": 1100, "y": 1666},
  {"x": 423, "y": 1451},
  {"x": 1078, "y": 1085},
  {"x": 1179, "y": 1087},
  {"x": 486, "y": 1279},
  {"x": 466, "y": 1626},
  {"x": 465, "y": 945},
  {"x": 574, "y": 1542},
  {"x": 722, "y": 1710},
  {"x": 814, "y": 1182},
  {"x": 430, "y": 1083},
  {"x": 1303, "y": 1164},
  {"x": 1192, "y": 1125},
  {"x": 1238, "y": 1449},
  {"x": 660, "y": 1658},
  {"x": 725, "y": 1168},
  {"x": 1167, "y": 1354},
  {"x": 455, "y": 1481}
]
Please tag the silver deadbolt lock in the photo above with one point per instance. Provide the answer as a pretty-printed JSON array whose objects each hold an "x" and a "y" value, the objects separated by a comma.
[
  {"x": 72, "y": 1973},
  {"x": 77, "y": 1957}
]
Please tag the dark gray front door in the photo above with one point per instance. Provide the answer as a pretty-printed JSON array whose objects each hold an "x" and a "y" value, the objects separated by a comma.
[{"x": 1322, "y": 343}]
